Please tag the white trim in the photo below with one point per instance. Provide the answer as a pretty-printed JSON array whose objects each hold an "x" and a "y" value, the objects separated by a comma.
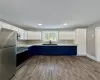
[
  {"x": 48, "y": 32},
  {"x": 92, "y": 57},
  {"x": 83, "y": 54},
  {"x": 98, "y": 60}
]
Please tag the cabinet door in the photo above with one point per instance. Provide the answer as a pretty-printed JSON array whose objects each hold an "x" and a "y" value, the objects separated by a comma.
[
  {"x": 0, "y": 25},
  {"x": 6, "y": 26},
  {"x": 21, "y": 32},
  {"x": 25, "y": 35},
  {"x": 68, "y": 35},
  {"x": 97, "y": 42},
  {"x": 37, "y": 35},
  {"x": 31, "y": 35},
  {"x": 81, "y": 41},
  {"x": 34, "y": 35},
  {"x": 14, "y": 28}
]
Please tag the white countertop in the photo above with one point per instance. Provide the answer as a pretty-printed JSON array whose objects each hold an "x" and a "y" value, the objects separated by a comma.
[
  {"x": 67, "y": 44},
  {"x": 47, "y": 45},
  {"x": 55, "y": 45}
]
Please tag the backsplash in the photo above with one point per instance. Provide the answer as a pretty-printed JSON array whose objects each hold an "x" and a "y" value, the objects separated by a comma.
[
  {"x": 54, "y": 42},
  {"x": 22, "y": 43},
  {"x": 32, "y": 42}
]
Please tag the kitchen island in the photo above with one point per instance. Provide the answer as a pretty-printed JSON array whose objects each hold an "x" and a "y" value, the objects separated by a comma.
[{"x": 53, "y": 50}]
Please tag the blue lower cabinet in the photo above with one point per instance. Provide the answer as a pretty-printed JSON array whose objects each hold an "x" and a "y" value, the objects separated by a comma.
[
  {"x": 21, "y": 57},
  {"x": 52, "y": 50}
]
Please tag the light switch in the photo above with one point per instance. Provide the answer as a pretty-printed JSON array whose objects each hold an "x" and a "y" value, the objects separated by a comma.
[{"x": 92, "y": 35}]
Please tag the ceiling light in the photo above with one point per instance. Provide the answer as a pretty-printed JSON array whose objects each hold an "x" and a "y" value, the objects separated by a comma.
[
  {"x": 65, "y": 24},
  {"x": 40, "y": 24}
]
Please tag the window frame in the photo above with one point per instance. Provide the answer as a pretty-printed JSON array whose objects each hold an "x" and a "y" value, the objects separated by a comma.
[{"x": 56, "y": 33}]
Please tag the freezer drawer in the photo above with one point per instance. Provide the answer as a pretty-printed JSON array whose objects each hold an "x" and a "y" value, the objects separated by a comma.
[{"x": 7, "y": 63}]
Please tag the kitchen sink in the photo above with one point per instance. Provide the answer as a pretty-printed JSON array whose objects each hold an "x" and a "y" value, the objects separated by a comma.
[{"x": 49, "y": 44}]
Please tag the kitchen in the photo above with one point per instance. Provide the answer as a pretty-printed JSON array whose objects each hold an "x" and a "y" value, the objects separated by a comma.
[
  {"x": 45, "y": 43},
  {"x": 49, "y": 40}
]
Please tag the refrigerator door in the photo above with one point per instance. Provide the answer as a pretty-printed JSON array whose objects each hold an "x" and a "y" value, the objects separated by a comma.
[
  {"x": 7, "y": 63},
  {"x": 7, "y": 38}
]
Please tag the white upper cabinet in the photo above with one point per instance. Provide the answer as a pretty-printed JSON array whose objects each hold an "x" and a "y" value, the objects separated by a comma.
[
  {"x": 8, "y": 26},
  {"x": 66, "y": 35},
  {"x": 34, "y": 35},
  {"x": 23, "y": 34},
  {"x": 0, "y": 25},
  {"x": 14, "y": 28}
]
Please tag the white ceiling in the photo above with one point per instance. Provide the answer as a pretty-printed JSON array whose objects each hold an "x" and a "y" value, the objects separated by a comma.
[{"x": 51, "y": 13}]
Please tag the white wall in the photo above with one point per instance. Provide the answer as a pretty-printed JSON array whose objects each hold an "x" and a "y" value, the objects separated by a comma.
[{"x": 91, "y": 41}]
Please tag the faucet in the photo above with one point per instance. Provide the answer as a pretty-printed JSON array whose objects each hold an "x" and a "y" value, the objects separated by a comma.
[{"x": 50, "y": 42}]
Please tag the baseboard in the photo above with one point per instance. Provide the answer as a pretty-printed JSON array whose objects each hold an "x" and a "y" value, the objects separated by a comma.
[
  {"x": 92, "y": 57},
  {"x": 98, "y": 59},
  {"x": 84, "y": 54},
  {"x": 81, "y": 55}
]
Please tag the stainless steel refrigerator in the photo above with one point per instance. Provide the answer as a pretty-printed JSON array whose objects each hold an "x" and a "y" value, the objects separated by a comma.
[{"x": 7, "y": 53}]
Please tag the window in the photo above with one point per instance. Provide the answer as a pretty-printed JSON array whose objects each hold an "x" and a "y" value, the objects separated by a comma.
[{"x": 50, "y": 35}]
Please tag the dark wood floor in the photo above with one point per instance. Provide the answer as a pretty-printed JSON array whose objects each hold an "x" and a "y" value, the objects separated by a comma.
[{"x": 59, "y": 68}]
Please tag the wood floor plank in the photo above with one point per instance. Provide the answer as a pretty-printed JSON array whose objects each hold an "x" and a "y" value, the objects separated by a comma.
[{"x": 59, "y": 68}]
